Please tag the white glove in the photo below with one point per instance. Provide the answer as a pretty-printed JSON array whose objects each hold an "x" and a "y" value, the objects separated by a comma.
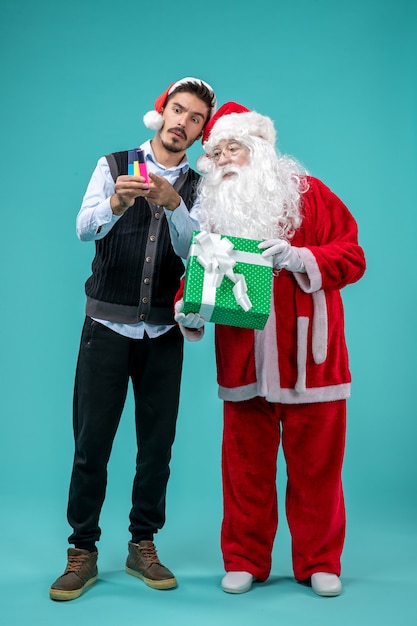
[
  {"x": 189, "y": 320},
  {"x": 283, "y": 255}
]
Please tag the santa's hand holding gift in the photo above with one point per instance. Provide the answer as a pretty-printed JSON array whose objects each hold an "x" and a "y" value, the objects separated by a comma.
[{"x": 291, "y": 380}]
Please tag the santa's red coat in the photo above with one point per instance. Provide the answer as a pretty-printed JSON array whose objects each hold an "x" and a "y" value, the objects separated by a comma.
[{"x": 301, "y": 355}]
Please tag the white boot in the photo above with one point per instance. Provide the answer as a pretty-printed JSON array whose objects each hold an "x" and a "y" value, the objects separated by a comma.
[
  {"x": 324, "y": 584},
  {"x": 237, "y": 582}
]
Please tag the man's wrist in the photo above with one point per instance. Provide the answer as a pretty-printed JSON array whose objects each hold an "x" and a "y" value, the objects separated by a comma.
[
  {"x": 174, "y": 204},
  {"x": 118, "y": 205}
]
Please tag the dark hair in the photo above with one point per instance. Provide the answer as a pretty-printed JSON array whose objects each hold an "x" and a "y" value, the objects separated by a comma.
[{"x": 198, "y": 89}]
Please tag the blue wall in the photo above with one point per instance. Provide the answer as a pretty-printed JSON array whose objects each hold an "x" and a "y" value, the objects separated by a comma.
[{"x": 339, "y": 80}]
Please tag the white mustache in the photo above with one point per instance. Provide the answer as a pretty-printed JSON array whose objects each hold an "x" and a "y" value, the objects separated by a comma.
[
  {"x": 217, "y": 176},
  {"x": 230, "y": 169}
]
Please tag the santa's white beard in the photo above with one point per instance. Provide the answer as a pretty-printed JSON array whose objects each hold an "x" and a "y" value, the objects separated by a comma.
[{"x": 258, "y": 201}]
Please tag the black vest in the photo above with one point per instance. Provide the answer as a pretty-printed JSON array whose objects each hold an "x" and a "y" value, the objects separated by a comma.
[{"x": 136, "y": 272}]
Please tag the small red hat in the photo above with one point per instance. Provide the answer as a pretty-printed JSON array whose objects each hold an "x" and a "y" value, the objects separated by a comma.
[
  {"x": 153, "y": 119},
  {"x": 234, "y": 121},
  {"x": 225, "y": 109}
]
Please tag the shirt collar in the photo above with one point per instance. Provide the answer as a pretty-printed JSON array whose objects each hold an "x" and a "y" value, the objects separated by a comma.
[{"x": 183, "y": 166}]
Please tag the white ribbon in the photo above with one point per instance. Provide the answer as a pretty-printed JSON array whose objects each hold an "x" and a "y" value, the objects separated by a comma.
[{"x": 215, "y": 255}]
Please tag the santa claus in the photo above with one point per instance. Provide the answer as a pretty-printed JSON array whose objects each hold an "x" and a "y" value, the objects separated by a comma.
[{"x": 289, "y": 382}]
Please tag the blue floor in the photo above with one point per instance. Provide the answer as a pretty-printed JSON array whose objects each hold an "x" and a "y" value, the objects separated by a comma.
[{"x": 379, "y": 575}]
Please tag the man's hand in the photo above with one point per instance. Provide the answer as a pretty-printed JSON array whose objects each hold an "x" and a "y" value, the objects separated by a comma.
[
  {"x": 127, "y": 189},
  {"x": 283, "y": 255},
  {"x": 163, "y": 193}
]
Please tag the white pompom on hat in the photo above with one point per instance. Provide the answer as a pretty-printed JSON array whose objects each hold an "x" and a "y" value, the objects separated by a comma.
[{"x": 154, "y": 120}]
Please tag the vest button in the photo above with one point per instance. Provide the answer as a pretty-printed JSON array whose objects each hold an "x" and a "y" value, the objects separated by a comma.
[
  {"x": 148, "y": 259},
  {"x": 152, "y": 238},
  {"x": 142, "y": 316},
  {"x": 145, "y": 300},
  {"x": 147, "y": 281},
  {"x": 157, "y": 216}
]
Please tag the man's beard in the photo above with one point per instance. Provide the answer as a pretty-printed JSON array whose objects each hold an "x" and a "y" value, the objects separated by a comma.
[
  {"x": 173, "y": 146},
  {"x": 257, "y": 201}
]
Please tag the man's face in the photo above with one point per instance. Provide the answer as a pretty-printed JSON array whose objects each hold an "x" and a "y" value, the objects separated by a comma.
[
  {"x": 230, "y": 152},
  {"x": 184, "y": 118}
]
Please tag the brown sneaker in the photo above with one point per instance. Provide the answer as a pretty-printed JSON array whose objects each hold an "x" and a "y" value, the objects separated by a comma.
[
  {"x": 143, "y": 563},
  {"x": 80, "y": 573}
]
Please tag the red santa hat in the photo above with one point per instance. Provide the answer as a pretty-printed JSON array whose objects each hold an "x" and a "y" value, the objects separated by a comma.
[
  {"x": 234, "y": 121},
  {"x": 153, "y": 119}
]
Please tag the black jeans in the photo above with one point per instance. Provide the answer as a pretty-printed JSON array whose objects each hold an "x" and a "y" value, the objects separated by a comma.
[{"x": 106, "y": 362}]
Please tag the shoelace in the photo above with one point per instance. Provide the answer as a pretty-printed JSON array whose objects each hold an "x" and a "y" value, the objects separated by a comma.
[
  {"x": 76, "y": 562},
  {"x": 149, "y": 552}
]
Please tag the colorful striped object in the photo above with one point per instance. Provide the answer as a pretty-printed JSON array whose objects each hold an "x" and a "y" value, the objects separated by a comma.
[{"x": 136, "y": 164}]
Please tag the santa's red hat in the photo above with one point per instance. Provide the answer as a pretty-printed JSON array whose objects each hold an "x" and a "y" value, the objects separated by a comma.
[
  {"x": 153, "y": 119},
  {"x": 235, "y": 121}
]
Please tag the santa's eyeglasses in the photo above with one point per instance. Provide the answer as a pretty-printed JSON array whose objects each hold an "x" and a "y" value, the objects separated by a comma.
[{"x": 229, "y": 150}]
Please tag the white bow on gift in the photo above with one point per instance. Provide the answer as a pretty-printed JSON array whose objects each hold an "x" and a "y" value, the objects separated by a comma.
[{"x": 214, "y": 254}]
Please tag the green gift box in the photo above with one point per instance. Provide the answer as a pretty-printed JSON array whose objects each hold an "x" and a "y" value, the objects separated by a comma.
[{"x": 227, "y": 281}]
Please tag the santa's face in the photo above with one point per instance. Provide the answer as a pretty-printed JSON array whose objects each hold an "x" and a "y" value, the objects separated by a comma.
[
  {"x": 184, "y": 117},
  {"x": 230, "y": 152},
  {"x": 248, "y": 191}
]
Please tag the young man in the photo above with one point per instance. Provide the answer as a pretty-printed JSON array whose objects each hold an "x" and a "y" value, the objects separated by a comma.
[
  {"x": 129, "y": 333},
  {"x": 289, "y": 381}
]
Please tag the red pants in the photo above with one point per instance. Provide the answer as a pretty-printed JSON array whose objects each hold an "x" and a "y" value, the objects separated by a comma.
[{"x": 313, "y": 441}]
